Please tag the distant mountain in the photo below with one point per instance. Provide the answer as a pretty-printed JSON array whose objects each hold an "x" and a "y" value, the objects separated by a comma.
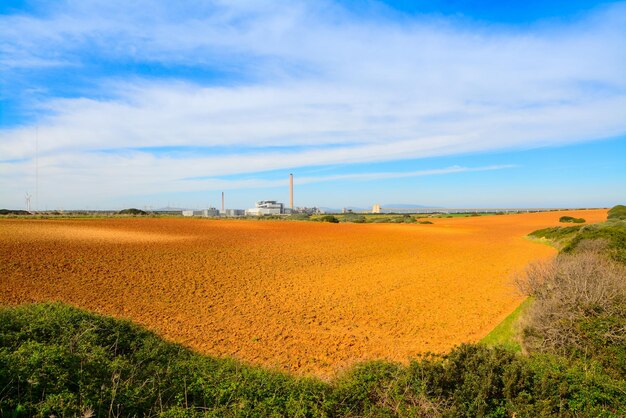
[
  {"x": 405, "y": 206},
  {"x": 339, "y": 210}
]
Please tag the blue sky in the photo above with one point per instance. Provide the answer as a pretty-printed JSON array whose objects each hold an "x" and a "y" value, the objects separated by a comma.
[{"x": 447, "y": 103}]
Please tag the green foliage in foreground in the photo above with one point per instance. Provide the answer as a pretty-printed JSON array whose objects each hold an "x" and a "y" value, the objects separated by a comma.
[
  {"x": 570, "y": 219},
  {"x": 62, "y": 361}
]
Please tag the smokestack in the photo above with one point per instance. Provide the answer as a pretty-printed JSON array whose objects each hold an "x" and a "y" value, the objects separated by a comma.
[
  {"x": 223, "y": 210},
  {"x": 291, "y": 191}
]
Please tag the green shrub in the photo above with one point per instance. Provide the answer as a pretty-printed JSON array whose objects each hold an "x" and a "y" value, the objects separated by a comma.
[
  {"x": 132, "y": 211},
  {"x": 560, "y": 236},
  {"x": 328, "y": 218},
  {"x": 569, "y": 219},
  {"x": 617, "y": 213},
  {"x": 613, "y": 232}
]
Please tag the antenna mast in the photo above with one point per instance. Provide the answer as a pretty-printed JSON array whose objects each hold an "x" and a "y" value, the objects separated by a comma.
[{"x": 36, "y": 169}]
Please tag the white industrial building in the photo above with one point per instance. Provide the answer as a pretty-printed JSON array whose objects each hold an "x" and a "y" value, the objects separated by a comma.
[
  {"x": 204, "y": 212},
  {"x": 266, "y": 207},
  {"x": 233, "y": 212}
]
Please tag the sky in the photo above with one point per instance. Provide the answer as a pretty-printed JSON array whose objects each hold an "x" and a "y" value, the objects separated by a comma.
[{"x": 109, "y": 104}]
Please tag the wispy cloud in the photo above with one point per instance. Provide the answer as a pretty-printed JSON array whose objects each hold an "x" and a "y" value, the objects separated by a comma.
[
  {"x": 334, "y": 87},
  {"x": 98, "y": 183}
]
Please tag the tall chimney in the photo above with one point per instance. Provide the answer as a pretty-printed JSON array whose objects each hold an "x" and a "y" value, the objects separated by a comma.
[
  {"x": 223, "y": 211},
  {"x": 291, "y": 191}
]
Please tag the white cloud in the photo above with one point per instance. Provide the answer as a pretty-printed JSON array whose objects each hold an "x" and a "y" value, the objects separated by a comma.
[{"x": 333, "y": 87}]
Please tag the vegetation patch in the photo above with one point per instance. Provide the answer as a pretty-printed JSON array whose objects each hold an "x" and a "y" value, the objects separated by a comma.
[
  {"x": 558, "y": 236},
  {"x": 612, "y": 232},
  {"x": 579, "y": 307},
  {"x": 132, "y": 211},
  {"x": 62, "y": 361},
  {"x": 328, "y": 218},
  {"x": 571, "y": 219},
  {"x": 354, "y": 218},
  {"x": 14, "y": 212},
  {"x": 617, "y": 213}
]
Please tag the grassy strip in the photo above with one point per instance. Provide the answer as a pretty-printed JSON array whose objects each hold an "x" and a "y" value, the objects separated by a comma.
[{"x": 506, "y": 332}]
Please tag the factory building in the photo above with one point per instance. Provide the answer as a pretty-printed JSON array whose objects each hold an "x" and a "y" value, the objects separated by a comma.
[
  {"x": 204, "y": 212},
  {"x": 234, "y": 212},
  {"x": 266, "y": 207}
]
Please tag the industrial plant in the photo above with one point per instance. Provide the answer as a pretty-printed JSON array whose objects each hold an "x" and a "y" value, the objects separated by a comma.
[
  {"x": 276, "y": 208},
  {"x": 261, "y": 208}
]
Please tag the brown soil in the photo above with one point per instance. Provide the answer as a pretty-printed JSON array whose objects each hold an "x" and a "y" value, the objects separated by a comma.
[{"x": 304, "y": 297}]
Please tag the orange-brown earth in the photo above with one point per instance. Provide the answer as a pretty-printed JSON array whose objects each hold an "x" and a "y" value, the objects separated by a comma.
[{"x": 309, "y": 298}]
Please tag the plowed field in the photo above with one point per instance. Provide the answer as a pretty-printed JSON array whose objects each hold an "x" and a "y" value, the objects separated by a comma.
[{"x": 304, "y": 297}]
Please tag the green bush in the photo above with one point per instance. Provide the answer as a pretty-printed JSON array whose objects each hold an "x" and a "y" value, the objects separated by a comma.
[
  {"x": 132, "y": 211},
  {"x": 328, "y": 218},
  {"x": 617, "y": 212},
  {"x": 560, "y": 236},
  {"x": 613, "y": 232},
  {"x": 569, "y": 219}
]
